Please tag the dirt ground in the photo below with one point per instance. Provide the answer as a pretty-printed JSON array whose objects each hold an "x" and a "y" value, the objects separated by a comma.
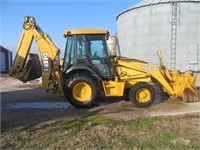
[{"x": 28, "y": 106}]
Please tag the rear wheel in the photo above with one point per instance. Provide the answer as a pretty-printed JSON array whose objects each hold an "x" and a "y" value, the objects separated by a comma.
[
  {"x": 83, "y": 91},
  {"x": 142, "y": 94}
]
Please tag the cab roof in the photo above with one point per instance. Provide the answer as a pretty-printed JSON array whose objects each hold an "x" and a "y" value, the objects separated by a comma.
[{"x": 84, "y": 31}]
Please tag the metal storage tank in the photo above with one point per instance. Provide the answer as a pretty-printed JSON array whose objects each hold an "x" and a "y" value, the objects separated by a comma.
[{"x": 170, "y": 25}]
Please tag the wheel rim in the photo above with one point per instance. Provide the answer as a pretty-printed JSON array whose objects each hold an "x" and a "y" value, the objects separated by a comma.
[
  {"x": 143, "y": 95},
  {"x": 82, "y": 91}
]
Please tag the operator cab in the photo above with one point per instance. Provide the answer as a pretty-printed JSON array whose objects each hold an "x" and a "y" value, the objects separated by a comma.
[{"x": 87, "y": 50}]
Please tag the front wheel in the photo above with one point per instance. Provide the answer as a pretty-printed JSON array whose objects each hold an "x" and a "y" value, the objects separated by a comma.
[
  {"x": 82, "y": 91},
  {"x": 142, "y": 94}
]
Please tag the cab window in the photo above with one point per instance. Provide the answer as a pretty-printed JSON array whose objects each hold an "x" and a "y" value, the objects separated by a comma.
[
  {"x": 81, "y": 43},
  {"x": 69, "y": 53},
  {"x": 98, "y": 55}
]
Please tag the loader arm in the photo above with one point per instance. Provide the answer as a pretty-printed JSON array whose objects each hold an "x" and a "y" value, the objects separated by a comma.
[
  {"x": 148, "y": 71},
  {"x": 50, "y": 70},
  {"x": 176, "y": 84}
]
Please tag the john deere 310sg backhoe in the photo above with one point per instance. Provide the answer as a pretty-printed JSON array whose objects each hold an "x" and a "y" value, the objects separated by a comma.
[{"x": 89, "y": 69}]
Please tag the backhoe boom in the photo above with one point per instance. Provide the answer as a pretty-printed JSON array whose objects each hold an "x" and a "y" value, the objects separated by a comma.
[{"x": 52, "y": 80}]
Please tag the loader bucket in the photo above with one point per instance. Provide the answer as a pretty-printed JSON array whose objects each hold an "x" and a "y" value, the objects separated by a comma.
[
  {"x": 184, "y": 87},
  {"x": 190, "y": 96}
]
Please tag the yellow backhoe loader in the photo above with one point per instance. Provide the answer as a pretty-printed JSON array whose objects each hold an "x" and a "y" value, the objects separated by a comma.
[{"x": 88, "y": 69}]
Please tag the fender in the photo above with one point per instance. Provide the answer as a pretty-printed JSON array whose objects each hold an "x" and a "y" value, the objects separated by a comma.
[{"x": 84, "y": 67}]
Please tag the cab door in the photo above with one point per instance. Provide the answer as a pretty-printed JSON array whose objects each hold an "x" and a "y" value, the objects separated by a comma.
[{"x": 98, "y": 55}]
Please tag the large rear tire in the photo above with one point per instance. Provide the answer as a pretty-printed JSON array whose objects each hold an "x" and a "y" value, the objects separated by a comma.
[
  {"x": 142, "y": 94},
  {"x": 82, "y": 91}
]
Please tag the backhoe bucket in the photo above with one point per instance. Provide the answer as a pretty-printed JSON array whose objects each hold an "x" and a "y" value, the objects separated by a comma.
[
  {"x": 31, "y": 71},
  {"x": 184, "y": 87}
]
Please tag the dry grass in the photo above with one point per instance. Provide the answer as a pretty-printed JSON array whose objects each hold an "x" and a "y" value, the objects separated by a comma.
[{"x": 97, "y": 132}]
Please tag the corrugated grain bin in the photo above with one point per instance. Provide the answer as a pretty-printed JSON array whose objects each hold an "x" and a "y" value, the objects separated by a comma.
[{"x": 148, "y": 26}]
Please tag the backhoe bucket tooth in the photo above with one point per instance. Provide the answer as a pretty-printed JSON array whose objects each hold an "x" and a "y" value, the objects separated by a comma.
[{"x": 32, "y": 70}]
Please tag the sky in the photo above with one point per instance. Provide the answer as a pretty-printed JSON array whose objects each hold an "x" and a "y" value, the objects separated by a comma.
[{"x": 55, "y": 16}]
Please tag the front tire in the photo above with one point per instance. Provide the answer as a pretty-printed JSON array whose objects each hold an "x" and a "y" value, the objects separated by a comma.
[
  {"x": 82, "y": 91},
  {"x": 142, "y": 94}
]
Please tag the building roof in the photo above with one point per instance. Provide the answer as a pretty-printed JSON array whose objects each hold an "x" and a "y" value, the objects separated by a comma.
[
  {"x": 4, "y": 50},
  {"x": 145, "y": 3}
]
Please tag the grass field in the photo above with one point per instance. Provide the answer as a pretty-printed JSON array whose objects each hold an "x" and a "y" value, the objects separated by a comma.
[{"x": 98, "y": 132}]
